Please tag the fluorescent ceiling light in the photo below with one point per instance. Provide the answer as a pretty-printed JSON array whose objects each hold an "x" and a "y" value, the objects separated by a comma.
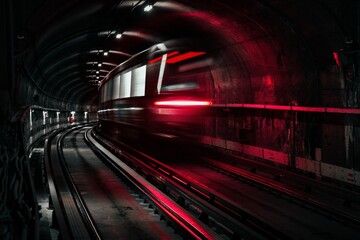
[{"x": 147, "y": 8}]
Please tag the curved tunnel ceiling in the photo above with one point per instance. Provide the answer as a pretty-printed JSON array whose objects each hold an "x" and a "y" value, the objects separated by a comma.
[{"x": 61, "y": 44}]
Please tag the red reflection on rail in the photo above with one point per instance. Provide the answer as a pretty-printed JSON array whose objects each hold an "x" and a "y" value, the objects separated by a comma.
[{"x": 183, "y": 103}]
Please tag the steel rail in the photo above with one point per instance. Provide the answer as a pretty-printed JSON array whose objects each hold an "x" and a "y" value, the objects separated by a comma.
[
  {"x": 71, "y": 214},
  {"x": 251, "y": 222},
  {"x": 287, "y": 191},
  {"x": 191, "y": 227},
  {"x": 82, "y": 208},
  {"x": 60, "y": 217},
  {"x": 285, "y": 175}
]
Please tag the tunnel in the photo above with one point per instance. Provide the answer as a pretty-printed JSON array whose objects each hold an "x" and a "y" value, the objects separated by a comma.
[{"x": 284, "y": 75}]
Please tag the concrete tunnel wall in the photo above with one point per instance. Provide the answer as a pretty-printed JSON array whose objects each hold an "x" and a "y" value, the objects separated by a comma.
[
  {"x": 28, "y": 93},
  {"x": 283, "y": 57},
  {"x": 265, "y": 57}
]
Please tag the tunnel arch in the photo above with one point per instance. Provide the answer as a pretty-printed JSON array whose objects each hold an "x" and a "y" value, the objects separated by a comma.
[{"x": 269, "y": 51}]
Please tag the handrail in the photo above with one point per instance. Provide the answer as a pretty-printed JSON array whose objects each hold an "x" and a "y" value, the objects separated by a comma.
[{"x": 289, "y": 108}]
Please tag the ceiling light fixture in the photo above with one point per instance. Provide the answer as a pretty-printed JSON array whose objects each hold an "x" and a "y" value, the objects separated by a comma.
[
  {"x": 106, "y": 53},
  {"x": 118, "y": 35},
  {"x": 99, "y": 64},
  {"x": 97, "y": 72},
  {"x": 148, "y": 7}
]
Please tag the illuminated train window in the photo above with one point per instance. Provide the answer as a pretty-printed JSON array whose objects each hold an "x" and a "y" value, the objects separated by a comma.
[
  {"x": 116, "y": 89},
  {"x": 160, "y": 75},
  {"x": 125, "y": 85},
  {"x": 138, "y": 80}
]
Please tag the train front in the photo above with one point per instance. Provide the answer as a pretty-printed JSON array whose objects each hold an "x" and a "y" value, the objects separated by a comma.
[
  {"x": 162, "y": 93},
  {"x": 183, "y": 95}
]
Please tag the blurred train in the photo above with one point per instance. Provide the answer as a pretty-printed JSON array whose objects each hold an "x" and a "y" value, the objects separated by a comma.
[{"x": 160, "y": 93}]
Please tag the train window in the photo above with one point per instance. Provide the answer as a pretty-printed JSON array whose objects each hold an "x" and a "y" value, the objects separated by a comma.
[
  {"x": 125, "y": 85},
  {"x": 138, "y": 81},
  {"x": 109, "y": 90},
  {"x": 116, "y": 86}
]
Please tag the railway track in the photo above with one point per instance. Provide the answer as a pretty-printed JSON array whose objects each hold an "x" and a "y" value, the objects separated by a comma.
[
  {"x": 335, "y": 201},
  {"x": 72, "y": 217},
  {"x": 301, "y": 198},
  {"x": 215, "y": 201},
  {"x": 222, "y": 212},
  {"x": 218, "y": 213},
  {"x": 73, "y": 171}
]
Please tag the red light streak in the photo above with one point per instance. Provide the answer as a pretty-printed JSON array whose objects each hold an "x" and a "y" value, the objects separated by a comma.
[
  {"x": 183, "y": 103},
  {"x": 184, "y": 56},
  {"x": 159, "y": 58},
  {"x": 155, "y": 60},
  {"x": 336, "y": 57}
]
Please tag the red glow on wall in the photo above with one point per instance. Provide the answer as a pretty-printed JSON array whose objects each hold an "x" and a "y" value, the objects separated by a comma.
[
  {"x": 184, "y": 56},
  {"x": 336, "y": 57},
  {"x": 268, "y": 80},
  {"x": 183, "y": 103},
  {"x": 159, "y": 58}
]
